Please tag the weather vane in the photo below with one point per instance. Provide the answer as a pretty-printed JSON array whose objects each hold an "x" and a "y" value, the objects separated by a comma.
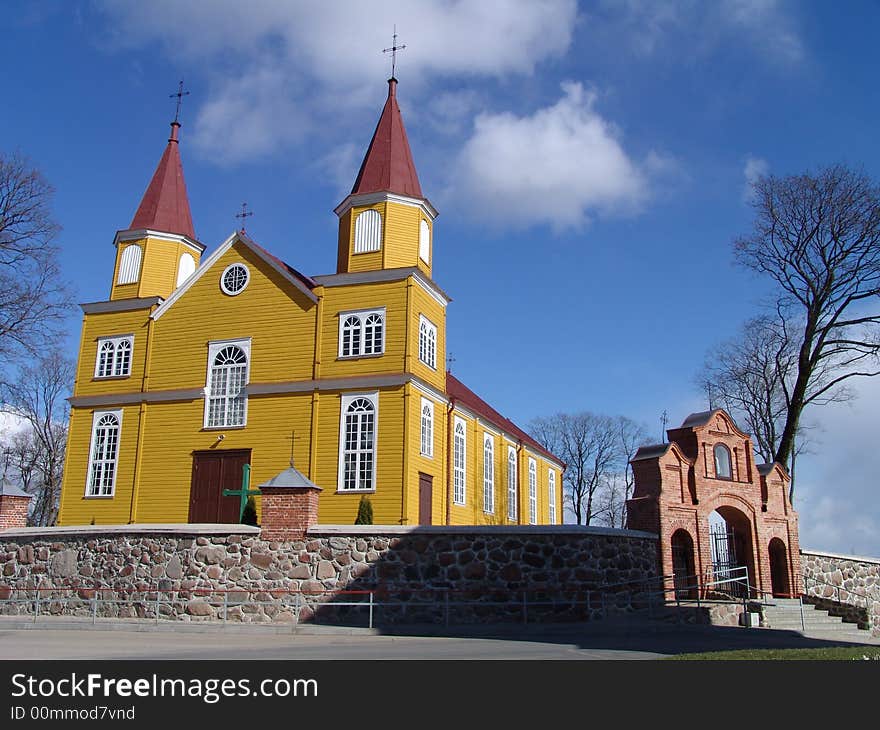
[
  {"x": 393, "y": 51},
  {"x": 180, "y": 94},
  {"x": 245, "y": 213}
]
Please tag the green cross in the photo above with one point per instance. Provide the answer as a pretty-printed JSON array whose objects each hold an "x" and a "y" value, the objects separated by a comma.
[{"x": 245, "y": 490}]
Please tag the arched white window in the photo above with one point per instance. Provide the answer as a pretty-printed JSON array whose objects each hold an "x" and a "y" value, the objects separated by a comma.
[
  {"x": 424, "y": 241},
  {"x": 368, "y": 232},
  {"x": 362, "y": 333},
  {"x": 459, "y": 461},
  {"x": 533, "y": 492},
  {"x": 427, "y": 440},
  {"x": 551, "y": 494},
  {"x": 185, "y": 267},
  {"x": 129, "y": 265},
  {"x": 114, "y": 357},
  {"x": 511, "y": 483},
  {"x": 351, "y": 336},
  {"x": 373, "y": 334},
  {"x": 358, "y": 441},
  {"x": 103, "y": 453},
  {"x": 227, "y": 399},
  {"x": 488, "y": 474},
  {"x": 427, "y": 342},
  {"x": 723, "y": 468}
]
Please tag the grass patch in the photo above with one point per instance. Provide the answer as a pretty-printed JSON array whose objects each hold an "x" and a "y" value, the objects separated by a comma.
[{"x": 824, "y": 653}]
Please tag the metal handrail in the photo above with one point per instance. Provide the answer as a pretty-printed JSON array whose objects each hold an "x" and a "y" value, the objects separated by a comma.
[{"x": 837, "y": 589}]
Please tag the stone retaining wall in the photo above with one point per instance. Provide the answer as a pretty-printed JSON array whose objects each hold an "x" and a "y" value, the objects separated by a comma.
[
  {"x": 200, "y": 572},
  {"x": 844, "y": 585}
]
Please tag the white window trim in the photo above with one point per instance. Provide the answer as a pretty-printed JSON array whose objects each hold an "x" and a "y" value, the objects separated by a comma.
[
  {"x": 96, "y": 416},
  {"x": 429, "y": 451},
  {"x": 213, "y": 348},
  {"x": 463, "y": 471},
  {"x": 132, "y": 277},
  {"x": 512, "y": 505},
  {"x": 489, "y": 475},
  {"x": 362, "y": 315},
  {"x": 551, "y": 490},
  {"x": 346, "y": 401},
  {"x": 364, "y": 245},
  {"x": 247, "y": 281},
  {"x": 533, "y": 491},
  {"x": 431, "y": 328},
  {"x": 116, "y": 339}
]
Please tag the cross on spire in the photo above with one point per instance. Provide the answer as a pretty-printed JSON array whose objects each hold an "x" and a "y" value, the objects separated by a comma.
[
  {"x": 393, "y": 51},
  {"x": 245, "y": 213},
  {"x": 180, "y": 94},
  {"x": 449, "y": 360}
]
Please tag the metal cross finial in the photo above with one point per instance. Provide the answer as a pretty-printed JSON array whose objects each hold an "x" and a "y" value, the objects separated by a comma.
[
  {"x": 393, "y": 51},
  {"x": 180, "y": 94},
  {"x": 292, "y": 441},
  {"x": 245, "y": 213},
  {"x": 664, "y": 421},
  {"x": 449, "y": 360}
]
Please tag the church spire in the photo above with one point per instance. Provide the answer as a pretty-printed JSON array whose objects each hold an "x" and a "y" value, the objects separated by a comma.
[
  {"x": 388, "y": 165},
  {"x": 165, "y": 205}
]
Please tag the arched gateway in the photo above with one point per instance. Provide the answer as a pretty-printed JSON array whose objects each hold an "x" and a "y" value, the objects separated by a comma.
[{"x": 719, "y": 516}]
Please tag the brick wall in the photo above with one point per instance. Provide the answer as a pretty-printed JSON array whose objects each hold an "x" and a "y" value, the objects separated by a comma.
[{"x": 13, "y": 511}]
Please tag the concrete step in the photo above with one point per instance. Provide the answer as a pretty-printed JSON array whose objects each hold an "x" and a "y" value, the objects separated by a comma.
[{"x": 786, "y": 615}]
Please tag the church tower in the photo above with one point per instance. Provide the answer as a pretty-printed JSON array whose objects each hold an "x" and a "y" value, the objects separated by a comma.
[
  {"x": 159, "y": 250},
  {"x": 386, "y": 222}
]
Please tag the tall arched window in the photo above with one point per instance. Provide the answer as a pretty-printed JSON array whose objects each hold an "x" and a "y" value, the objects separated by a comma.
[
  {"x": 458, "y": 463},
  {"x": 103, "y": 454},
  {"x": 373, "y": 334},
  {"x": 185, "y": 267},
  {"x": 123, "y": 357},
  {"x": 427, "y": 441},
  {"x": 533, "y": 492},
  {"x": 358, "y": 468},
  {"x": 511, "y": 484},
  {"x": 351, "y": 336},
  {"x": 227, "y": 400},
  {"x": 723, "y": 468},
  {"x": 368, "y": 232},
  {"x": 488, "y": 474},
  {"x": 427, "y": 342},
  {"x": 424, "y": 241},
  {"x": 129, "y": 265},
  {"x": 551, "y": 493}
]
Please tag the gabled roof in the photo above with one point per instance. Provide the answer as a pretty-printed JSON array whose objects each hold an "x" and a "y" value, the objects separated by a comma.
[
  {"x": 765, "y": 469},
  {"x": 655, "y": 451},
  {"x": 466, "y": 397},
  {"x": 388, "y": 165},
  {"x": 302, "y": 282},
  {"x": 165, "y": 205},
  {"x": 8, "y": 489},
  {"x": 697, "y": 420},
  {"x": 290, "y": 478}
]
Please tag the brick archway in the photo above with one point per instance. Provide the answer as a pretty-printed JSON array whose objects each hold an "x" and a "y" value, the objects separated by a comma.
[
  {"x": 779, "y": 578},
  {"x": 684, "y": 570}
]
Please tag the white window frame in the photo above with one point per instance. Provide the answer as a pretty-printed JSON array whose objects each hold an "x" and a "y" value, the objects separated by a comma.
[
  {"x": 346, "y": 401},
  {"x": 512, "y": 502},
  {"x": 186, "y": 267},
  {"x": 427, "y": 342},
  {"x": 368, "y": 231},
  {"x": 533, "y": 491},
  {"x": 459, "y": 465},
  {"x": 130, "y": 265},
  {"x": 551, "y": 490},
  {"x": 362, "y": 315},
  {"x": 116, "y": 342},
  {"x": 424, "y": 241},
  {"x": 96, "y": 417},
  {"x": 247, "y": 280},
  {"x": 426, "y": 419},
  {"x": 488, "y": 474},
  {"x": 214, "y": 349}
]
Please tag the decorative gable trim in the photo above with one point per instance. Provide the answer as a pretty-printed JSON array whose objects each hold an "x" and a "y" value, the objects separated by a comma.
[{"x": 214, "y": 257}]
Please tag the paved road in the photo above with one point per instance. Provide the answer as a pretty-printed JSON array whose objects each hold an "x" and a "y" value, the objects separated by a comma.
[{"x": 592, "y": 641}]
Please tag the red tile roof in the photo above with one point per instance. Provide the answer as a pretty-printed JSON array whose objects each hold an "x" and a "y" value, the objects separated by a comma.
[
  {"x": 165, "y": 205},
  {"x": 388, "y": 165},
  {"x": 470, "y": 400}
]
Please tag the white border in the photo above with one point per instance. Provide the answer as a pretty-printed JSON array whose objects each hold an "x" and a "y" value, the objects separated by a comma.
[
  {"x": 247, "y": 279},
  {"x": 345, "y": 401},
  {"x": 423, "y": 318},
  {"x": 113, "y": 338},
  {"x": 213, "y": 348},
  {"x": 362, "y": 314},
  {"x": 491, "y": 439},
  {"x": 95, "y": 417},
  {"x": 429, "y": 454},
  {"x": 455, "y": 421}
]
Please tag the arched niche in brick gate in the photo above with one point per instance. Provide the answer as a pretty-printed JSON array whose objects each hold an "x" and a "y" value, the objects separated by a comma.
[
  {"x": 780, "y": 578},
  {"x": 684, "y": 572},
  {"x": 740, "y": 517}
]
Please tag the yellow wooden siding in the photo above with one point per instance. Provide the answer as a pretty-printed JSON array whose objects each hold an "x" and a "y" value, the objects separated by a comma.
[
  {"x": 76, "y": 508},
  {"x": 344, "y": 242},
  {"x": 337, "y": 299},
  {"x": 424, "y": 304},
  {"x": 111, "y": 324},
  {"x": 126, "y": 291},
  {"x": 281, "y": 344},
  {"x": 401, "y": 235}
]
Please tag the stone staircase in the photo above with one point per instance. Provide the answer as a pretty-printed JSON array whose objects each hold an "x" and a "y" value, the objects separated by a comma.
[{"x": 785, "y": 615}]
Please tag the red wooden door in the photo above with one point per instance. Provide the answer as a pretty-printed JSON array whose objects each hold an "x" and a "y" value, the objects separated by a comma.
[
  {"x": 426, "y": 491},
  {"x": 214, "y": 471}
]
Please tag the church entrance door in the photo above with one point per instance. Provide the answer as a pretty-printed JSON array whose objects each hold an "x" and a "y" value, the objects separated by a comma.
[
  {"x": 426, "y": 492},
  {"x": 214, "y": 471}
]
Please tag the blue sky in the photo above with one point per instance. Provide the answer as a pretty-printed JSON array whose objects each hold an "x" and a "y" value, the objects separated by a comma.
[{"x": 589, "y": 162}]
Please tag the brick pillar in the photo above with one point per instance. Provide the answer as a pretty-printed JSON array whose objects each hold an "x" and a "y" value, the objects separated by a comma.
[
  {"x": 288, "y": 512},
  {"x": 13, "y": 511}
]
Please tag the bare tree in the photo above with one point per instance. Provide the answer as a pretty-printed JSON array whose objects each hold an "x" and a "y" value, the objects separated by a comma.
[
  {"x": 37, "y": 453},
  {"x": 596, "y": 449},
  {"x": 33, "y": 297},
  {"x": 818, "y": 238}
]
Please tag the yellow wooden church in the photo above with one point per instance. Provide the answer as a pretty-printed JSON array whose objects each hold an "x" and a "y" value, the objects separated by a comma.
[{"x": 345, "y": 372}]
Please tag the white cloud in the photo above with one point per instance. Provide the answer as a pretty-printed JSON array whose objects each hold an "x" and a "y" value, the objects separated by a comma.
[
  {"x": 559, "y": 165},
  {"x": 754, "y": 168}
]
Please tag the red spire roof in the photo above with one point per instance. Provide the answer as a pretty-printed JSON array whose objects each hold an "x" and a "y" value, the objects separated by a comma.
[
  {"x": 165, "y": 205},
  {"x": 388, "y": 165}
]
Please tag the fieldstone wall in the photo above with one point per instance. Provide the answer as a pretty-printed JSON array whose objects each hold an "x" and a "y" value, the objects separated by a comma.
[
  {"x": 209, "y": 572},
  {"x": 844, "y": 585}
]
